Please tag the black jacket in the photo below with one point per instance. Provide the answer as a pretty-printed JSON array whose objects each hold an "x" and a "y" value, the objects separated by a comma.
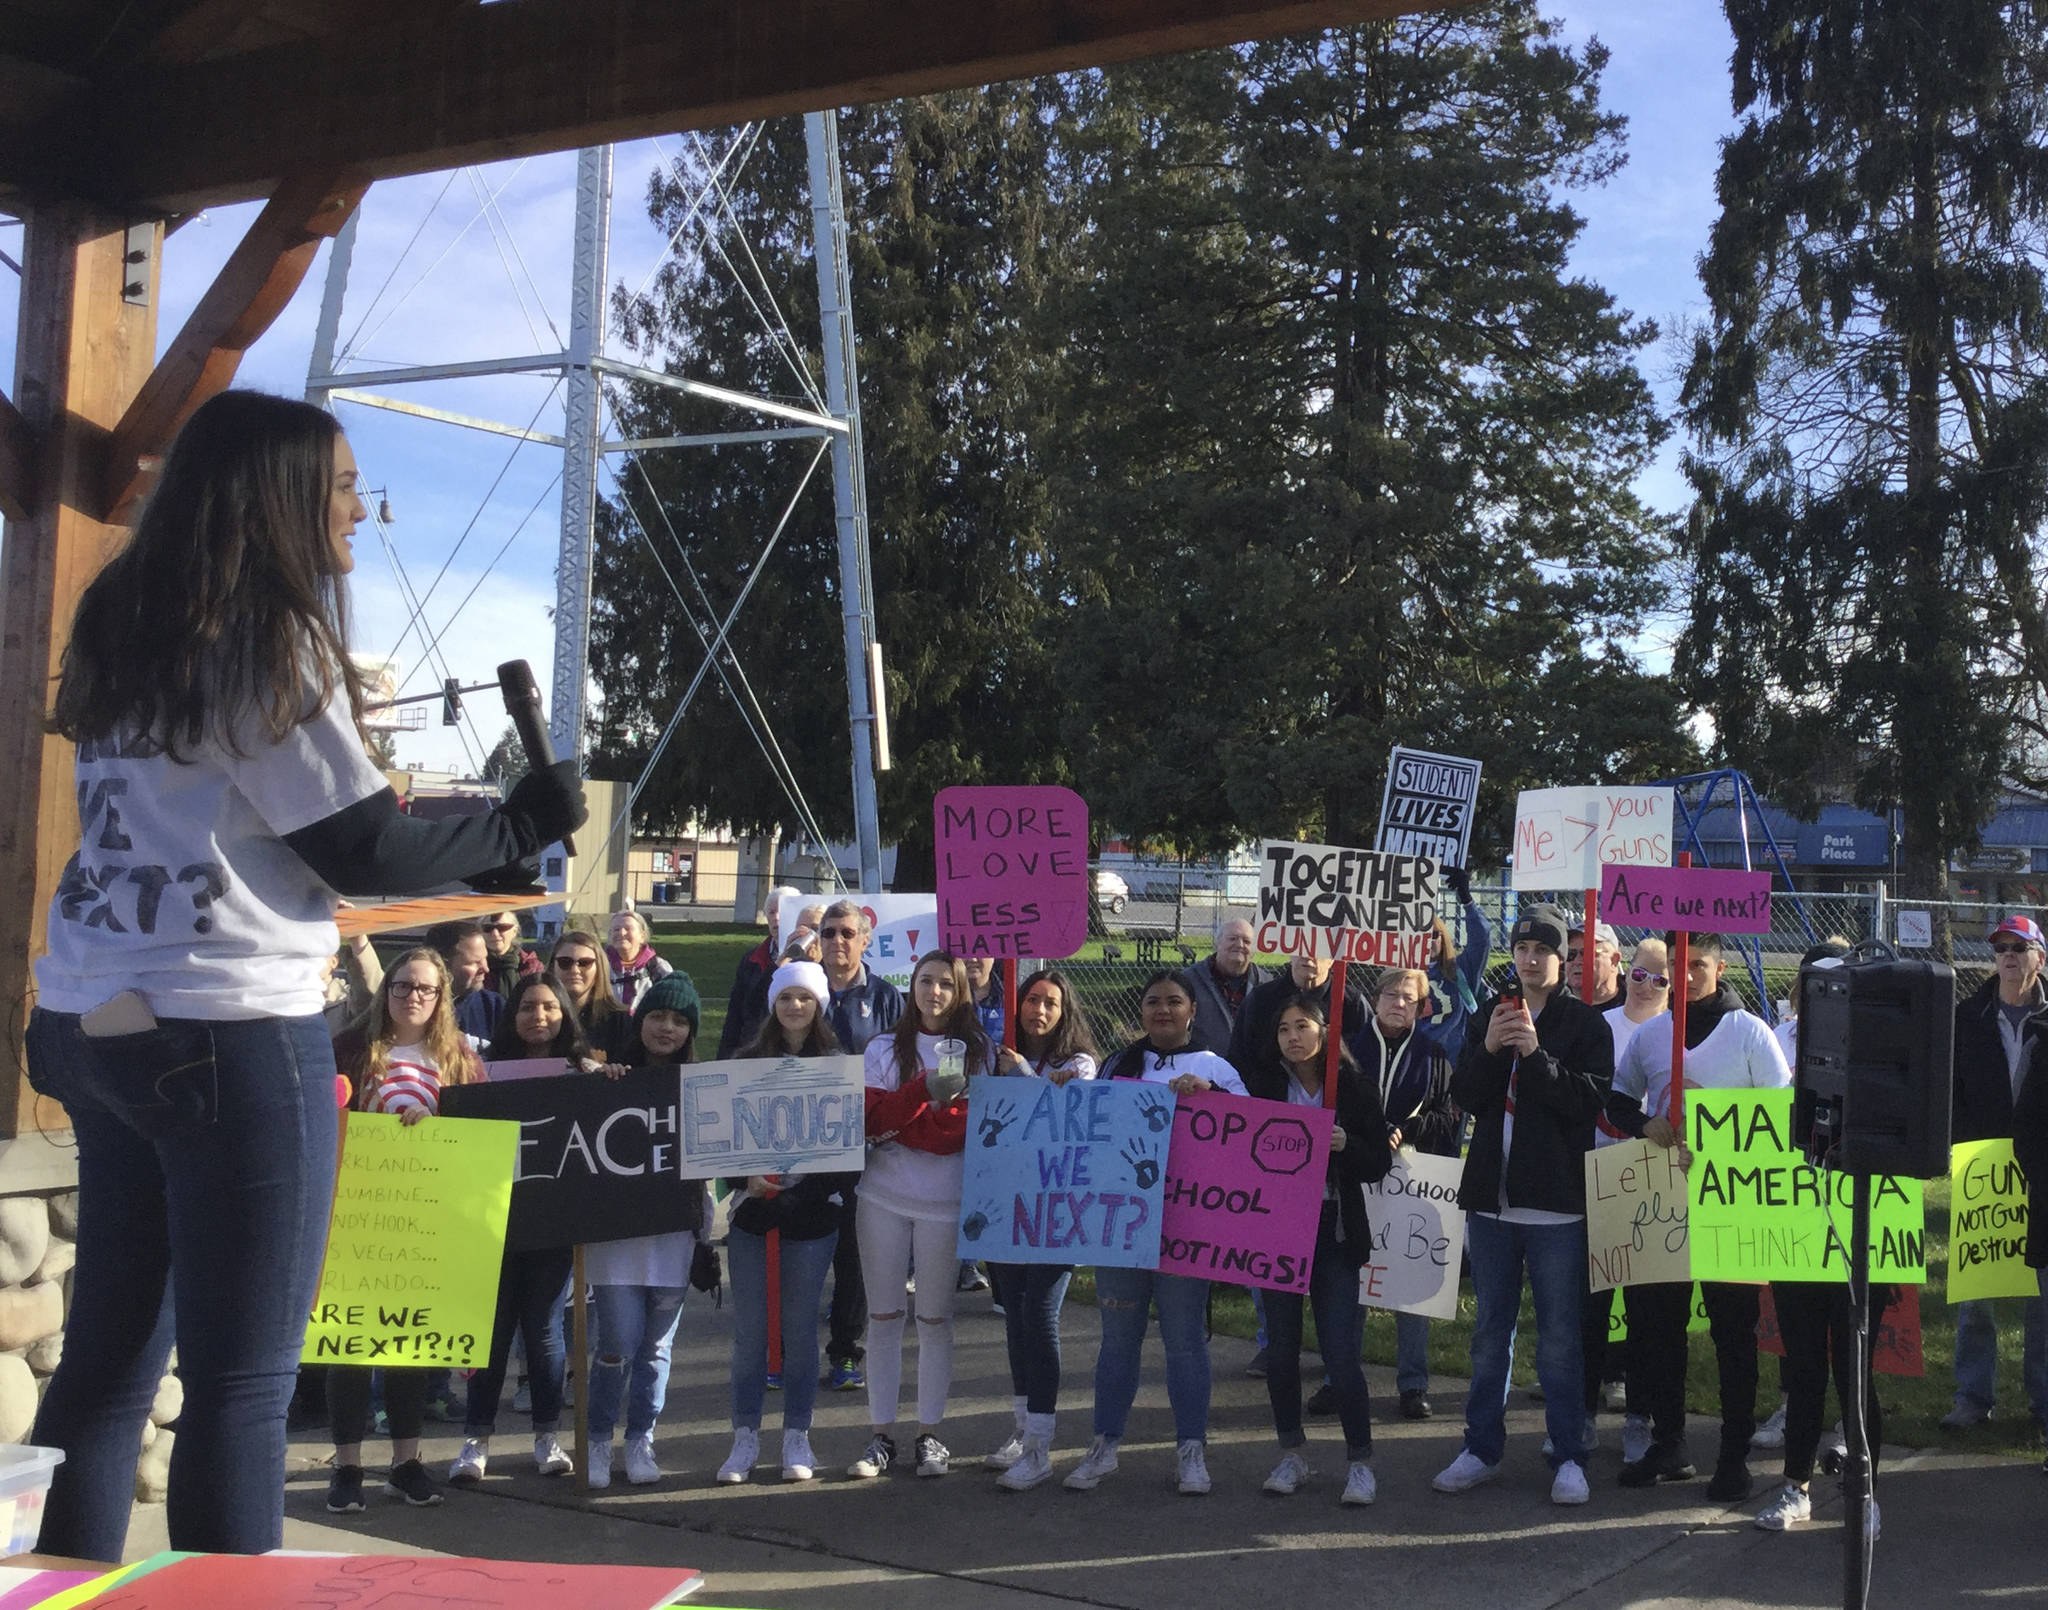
[
  {"x": 746, "y": 1009},
  {"x": 1983, "y": 1086},
  {"x": 807, "y": 1210},
  {"x": 1252, "y": 1037},
  {"x": 2030, "y": 1150},
  {"x": 1559, "y": 1089},
  {"x": 1366, "y": 1157},
  {"x": 1418, "y": 1102}
]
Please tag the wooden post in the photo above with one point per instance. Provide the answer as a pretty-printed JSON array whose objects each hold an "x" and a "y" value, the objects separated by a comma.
[
  {"x": 83, "y": 356},
  {"x": 1335, "y": 1039},
  {"x": 579, "y": 1355}
]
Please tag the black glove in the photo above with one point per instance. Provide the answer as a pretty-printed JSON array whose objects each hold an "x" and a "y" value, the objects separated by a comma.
[
  {"x": 545, "y": 804},
  {"x": 520, "y": 877},
  {"x": 1460, "y": 880}
]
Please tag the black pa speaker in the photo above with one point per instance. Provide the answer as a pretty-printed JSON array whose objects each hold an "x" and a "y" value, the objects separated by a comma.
[{"x": 1876, "y": 1063}]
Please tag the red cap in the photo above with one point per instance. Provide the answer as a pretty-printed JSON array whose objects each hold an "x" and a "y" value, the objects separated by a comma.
[{"x": 2022, "y": 928}]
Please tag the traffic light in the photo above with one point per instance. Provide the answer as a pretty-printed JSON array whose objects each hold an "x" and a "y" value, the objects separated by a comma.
[{"x": 451, "y": 702}]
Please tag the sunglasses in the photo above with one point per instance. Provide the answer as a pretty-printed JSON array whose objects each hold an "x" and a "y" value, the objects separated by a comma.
[
  {"x": 578, "y": 962},
  {"x": 839, "y": 933},
  {"x": 1642, "y": 975},
  {"x": 419, "y": 992},
  {"x": 2017, "y": 947},
  {"x": 500, "y": 927}
]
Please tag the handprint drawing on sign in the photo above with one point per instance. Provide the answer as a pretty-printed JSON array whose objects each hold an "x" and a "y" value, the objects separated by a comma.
[
  {"x": 976, "y": 1224},
  {"x": 999, "y": 1117},
  {"x": 1144, "y": 1161},
  {"x": 1156, "y": 1113}
]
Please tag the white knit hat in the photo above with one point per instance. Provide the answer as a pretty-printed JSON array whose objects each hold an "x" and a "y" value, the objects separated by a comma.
[{"x": 800, "y": 975}]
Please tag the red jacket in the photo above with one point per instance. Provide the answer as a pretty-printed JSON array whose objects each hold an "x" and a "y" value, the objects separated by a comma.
[{"x": 907, "y": 1116}]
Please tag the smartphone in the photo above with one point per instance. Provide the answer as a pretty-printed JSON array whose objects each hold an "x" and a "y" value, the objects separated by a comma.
[{"x": 126, "y": 1013}]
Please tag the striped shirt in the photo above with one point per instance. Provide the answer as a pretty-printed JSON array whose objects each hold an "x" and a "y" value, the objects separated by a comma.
[{"x": 410, "y": 1080}]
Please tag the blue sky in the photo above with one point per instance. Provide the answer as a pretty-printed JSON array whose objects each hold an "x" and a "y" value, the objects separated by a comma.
[{"x": 436, "y": 279}]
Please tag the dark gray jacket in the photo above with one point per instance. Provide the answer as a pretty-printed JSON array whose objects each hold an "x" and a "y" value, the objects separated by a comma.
[{"x": 1213, "y": 1017}]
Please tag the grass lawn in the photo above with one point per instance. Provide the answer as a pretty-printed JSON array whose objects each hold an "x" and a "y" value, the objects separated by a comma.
[{"x": 711, "y": 954}]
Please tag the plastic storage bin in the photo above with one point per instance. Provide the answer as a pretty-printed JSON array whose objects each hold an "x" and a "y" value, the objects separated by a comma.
[{"x": 25, "y": 1474}]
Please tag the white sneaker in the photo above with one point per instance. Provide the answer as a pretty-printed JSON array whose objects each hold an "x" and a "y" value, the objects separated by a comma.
[
  {"x": 1194, "y": 1468},
  {"x": 549, "y": 1457},
  {"x": 746, "y": 1450},
  {"x": 1569, "y": 1486},
  {"x": 933, "y": 1457},
  {"x": 1792, "y": 1507},
  {"x": 641, "y": 1470},
  {"x": 1288, "y": 1475},
  {"x": 798, "y": 1462},
  {"x": 470, "y": 1464},
  {"x": 1032, "y": 1465},
  {"x": 1099, "y": 1461},
  {"x": 1771, "y": 1434},
  {"x": 1360, "y": 1487},
  {"x": 1007, "y": 1455},
  {"x": 1464, "y": 1473},
  {"x": 601, "y": 1465},
  {"x": 1635, "y": 1437}
]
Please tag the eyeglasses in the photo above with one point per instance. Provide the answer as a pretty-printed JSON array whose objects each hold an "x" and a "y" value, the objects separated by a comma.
[
  {"x": 839, "y": 933},
  {"x": 577, "y": 962},
  {"x": 1392, "y": 997},
  {"x": 1642, "y": 975},
  {"x": 2018, "y": 947},
  {"x": 419, "y": 992}
]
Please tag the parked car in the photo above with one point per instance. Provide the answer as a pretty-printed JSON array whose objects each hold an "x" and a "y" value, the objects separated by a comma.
[{"x": 1111, "y": 892}]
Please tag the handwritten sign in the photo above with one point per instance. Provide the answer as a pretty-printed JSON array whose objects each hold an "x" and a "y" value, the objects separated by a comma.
[
  {"x": 413, "y": 1244},
  {"x": 1072, "y": 1173},
  {"x": 300, "y": 1582},
  {"x": 1987, "y": 1226},
  {"x": 1428, "y": 805},
  {"x": 905, "y": 926},
  {"x": 1244, "y": 1190},
  {"x": 1012, "y": 870},
  {"x": 601, "y": 1159},
  {"x": 1635, "y": 1216},
  {"x": 1348, "y": 905},
  {"x": 1418, "y": 1237},
  {"x": 1759, "y": 1211},
  {"x": 1708, "y": 900},
  {"x": 1564, "y": 836}
]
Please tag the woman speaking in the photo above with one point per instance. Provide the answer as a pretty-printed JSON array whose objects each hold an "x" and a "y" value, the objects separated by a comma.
[{"x": 226, "y": 800}]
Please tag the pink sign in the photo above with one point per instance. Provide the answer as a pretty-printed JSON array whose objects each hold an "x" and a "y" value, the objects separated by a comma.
[
  {"x": 1013, "y": 870},
  {"x": 1244, "y": 1189},
  {"x": 1702, "y": 900}
]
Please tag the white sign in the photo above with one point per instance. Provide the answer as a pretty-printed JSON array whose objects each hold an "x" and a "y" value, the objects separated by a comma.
[
  {"x": 1319, "y": 901},
  {"x": 786, "y": 1115},
  {"x": 1418, "y": 1237},
  {"x": 906, "y": 926},
  {"x": 1563, "y": 836},
  {"x": 1916, "y": 930},
  {"x": 1428, "y": 805}
]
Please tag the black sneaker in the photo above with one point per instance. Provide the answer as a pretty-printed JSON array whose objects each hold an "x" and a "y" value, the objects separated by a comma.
[
  {"x": 1415, "y": 1405},
  {"x": 1732, "y": 1482},
  {"x": 875, "y": 1458},
  {"x": 934, "y": 1458},
  {"x": 1322, "y": 1401},
  {"x": 411, "y": 1482},
  {"x": 1666, "y": 1461},
  {"x": 345, "y": 1490}
]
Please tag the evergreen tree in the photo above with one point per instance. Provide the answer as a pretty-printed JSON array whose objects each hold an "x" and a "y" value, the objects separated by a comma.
[{"x": 1869, "y": 409}]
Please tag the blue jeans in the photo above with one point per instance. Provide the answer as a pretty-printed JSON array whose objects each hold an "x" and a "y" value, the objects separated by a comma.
[
  {"x": 1333, "y": 1294},
  {"x": 804, "y": 1265},
  {"x": 1031, "y": 1294},
  {"x": 635, "y": 1325},
  {"x": 1977, "y": 1354},
  {"x": 1126, "y": 1297},
  {"x": 531, "y": 1288},
  {"x": 1555, "y": 1256},
  {"x": 1411, "y": 1352},
  {"x": 205, "y": 1181}
]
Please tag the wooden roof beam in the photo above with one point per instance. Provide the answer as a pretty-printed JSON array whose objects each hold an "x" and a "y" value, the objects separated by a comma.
[
  {"x": 17, "y": 462},
  {"x": 250, "y": 291},
  {"x": 438, "y": 88}
]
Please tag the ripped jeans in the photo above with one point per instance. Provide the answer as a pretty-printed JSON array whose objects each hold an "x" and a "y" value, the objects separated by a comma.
[{"x": 635, "y": 1326}]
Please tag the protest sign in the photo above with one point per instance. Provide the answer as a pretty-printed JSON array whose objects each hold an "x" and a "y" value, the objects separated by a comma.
[
  {"x": 1428, "y": 805},
  {"x": 1898, "y": 1334},
  {"x": 905, "y": 927},
  {"x": 1244, "y": 1190},
  {"x": 602, "y": 1159},
  {"x": 1760, "y": 1211},
  {"x": 1701, "y": 900},
  {"x": 1564, "y": 836},
  {"x": 1418, "y": 1237},
  {"x": 1635, "y": 1216},
  {"x": 1347, "y": 905},
  {"x": 1072, "y": 1173},
  {"x": 1696, "y": 1324},
  {"x": 1012, "y": 870},
  {"x": 413, "y": 1243},
  {"x": 1987, "y": 1226}
]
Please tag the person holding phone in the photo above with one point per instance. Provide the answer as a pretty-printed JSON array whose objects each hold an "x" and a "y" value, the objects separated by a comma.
[
  {"x": 228, "y": 802},
  {"x": 1534, "y": 1083}
]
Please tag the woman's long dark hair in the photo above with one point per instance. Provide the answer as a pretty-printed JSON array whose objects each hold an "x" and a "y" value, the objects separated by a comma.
[
  {"x": 1316, "y": 1013},
  {"x": 226, "y": 603},
  {"x": 820, "y": 1039},
  {"x": 963, "y": 1022},
  {"x": 1070, "y": 1037},
  {"x": 569, "y": 1041},
  {"x": 1128, "y": 1061}
]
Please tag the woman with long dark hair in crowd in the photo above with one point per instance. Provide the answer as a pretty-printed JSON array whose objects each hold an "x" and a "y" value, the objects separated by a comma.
[
  {"x": 1053, "y": 1044},
  {"x": 580, "y": 966},
  {"x": 228, "y": 800}
]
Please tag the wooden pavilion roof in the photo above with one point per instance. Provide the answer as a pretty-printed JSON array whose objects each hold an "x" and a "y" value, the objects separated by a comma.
[{"x": 164, "y": 106}]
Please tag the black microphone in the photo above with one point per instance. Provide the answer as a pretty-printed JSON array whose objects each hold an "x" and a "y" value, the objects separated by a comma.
[{"x": 522, "y": 704}]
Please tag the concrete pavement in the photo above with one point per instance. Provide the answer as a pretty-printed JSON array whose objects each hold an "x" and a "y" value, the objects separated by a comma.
[{"x": 1957, "y": 1530}]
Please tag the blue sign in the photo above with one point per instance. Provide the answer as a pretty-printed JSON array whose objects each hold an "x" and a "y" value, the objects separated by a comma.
[
  {"x": 1846, "y": 844},
  {"x": 1072, "y": 1173}
]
